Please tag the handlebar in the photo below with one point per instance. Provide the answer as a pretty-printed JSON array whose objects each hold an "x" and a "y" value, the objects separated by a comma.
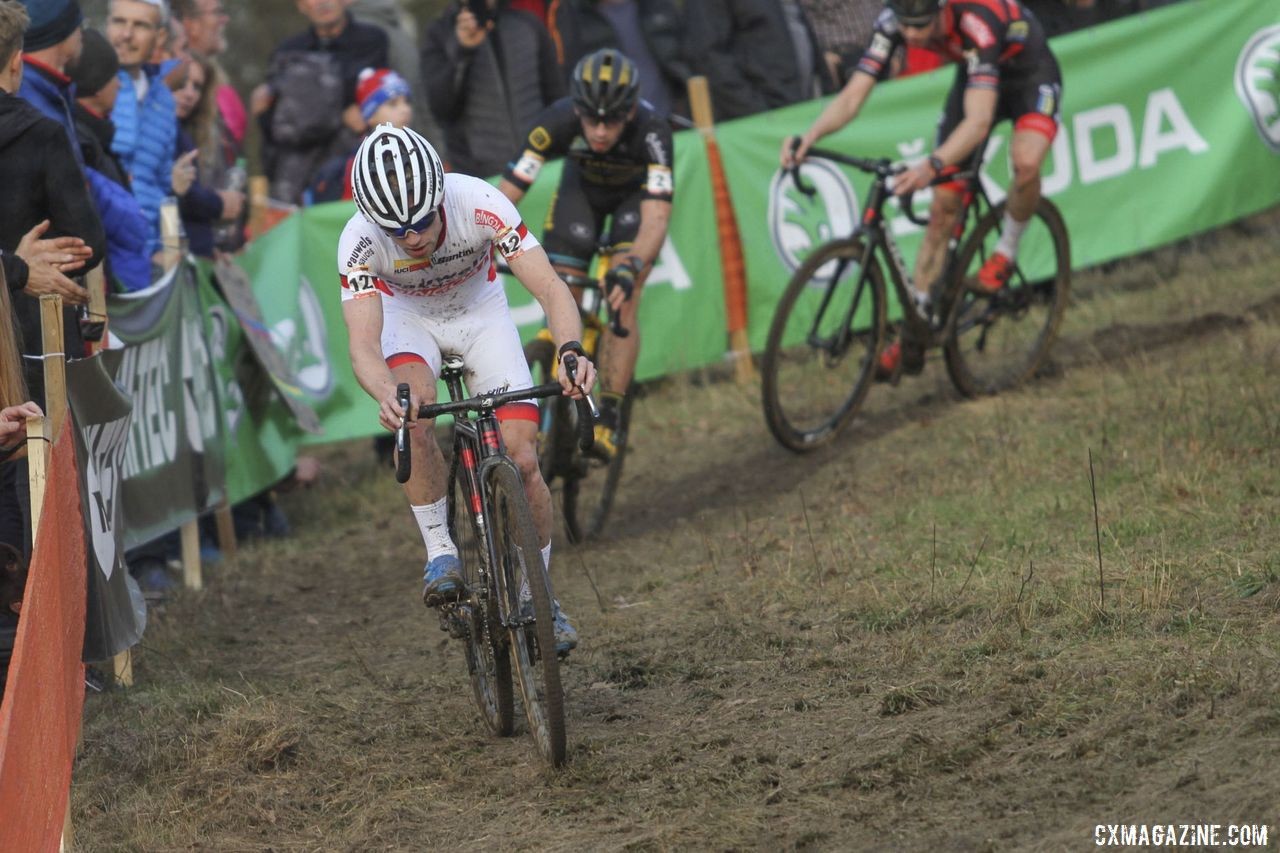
[
  {"x": 587, "y": 413},
  {"x": 615, "y": 317},
  {"x": 882, "y": 167}
]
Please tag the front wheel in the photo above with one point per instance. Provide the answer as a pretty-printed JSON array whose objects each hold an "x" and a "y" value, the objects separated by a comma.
[
  {"x": 820, "y": 357},
  {"x": 527, "y": 610},
  {"x": 476, "y": 615},
  {"x": 995, "y": 342}
]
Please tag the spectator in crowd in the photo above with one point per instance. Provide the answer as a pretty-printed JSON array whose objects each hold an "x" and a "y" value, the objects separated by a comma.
[
  {"x": 41, "y": 180},
  {"x": 128, "y": 233},
  {"x": 843, "y": 28},
  {"x": 648, "y": 32},
  {"x": 52, "y": 44},
  {"x": 488, "y": 70},
  {"x": 144, "y": 116},
  {"x": 537, "y": 8},
  {"x": 385, "y": 98},
  {"x": 201, "y": 206},
  {"x": 171, "y": 46},
  {"x": 204, "y": 25},
  {"x": 307, "y": 108},
  {"x": 402, "y": 56},
  {"x": 757, "y": 55}
]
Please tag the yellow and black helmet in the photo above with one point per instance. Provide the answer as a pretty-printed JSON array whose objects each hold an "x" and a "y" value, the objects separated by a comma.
[{"x": 605, "y": 84}]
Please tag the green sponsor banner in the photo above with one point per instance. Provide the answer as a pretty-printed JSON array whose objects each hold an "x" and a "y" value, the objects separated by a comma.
[
  {"x": 1170, "y": 126},
  {"x": 173, "y": 464},
  {"x": 295, "y": 278},
  {"x": 261, "y": 435}
]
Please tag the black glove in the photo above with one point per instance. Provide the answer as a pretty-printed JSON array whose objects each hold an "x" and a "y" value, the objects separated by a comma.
[{"x": 622, "y": 276}]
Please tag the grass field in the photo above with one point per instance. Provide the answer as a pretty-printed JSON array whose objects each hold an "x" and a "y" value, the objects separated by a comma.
[{"x": 915, "y": 638}]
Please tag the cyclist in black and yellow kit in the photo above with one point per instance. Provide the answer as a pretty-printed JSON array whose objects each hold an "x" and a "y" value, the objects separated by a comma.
[
  {"x": 619, "y": 162},
  {"x": 1005, "y": 70}
]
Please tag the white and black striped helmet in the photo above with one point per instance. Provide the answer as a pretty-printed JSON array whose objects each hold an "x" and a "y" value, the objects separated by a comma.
[{"x": 397, "y": 178}]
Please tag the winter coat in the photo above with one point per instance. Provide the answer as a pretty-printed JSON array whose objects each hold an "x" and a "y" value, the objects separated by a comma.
[
  {"x": 487, "y": 98},
  {"x": 128, "y": 233},
  {"x": 144, "y": 140},
  {"x": 579, "y": 29},
  {"x": 42, "y": 180},
  {"x": 52, "y": 94},
  {"x": 745, "y": 50}
]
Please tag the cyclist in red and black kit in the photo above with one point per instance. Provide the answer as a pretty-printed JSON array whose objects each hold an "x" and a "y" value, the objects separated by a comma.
[
  {"x": 1005, "y": 71},
  {"x": 618, "y": 153}
]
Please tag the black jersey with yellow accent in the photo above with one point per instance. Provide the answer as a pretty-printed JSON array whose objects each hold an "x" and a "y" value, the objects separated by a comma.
[
  {"x": 641, "y": 160},
  {"x": 991, "y": 37}
]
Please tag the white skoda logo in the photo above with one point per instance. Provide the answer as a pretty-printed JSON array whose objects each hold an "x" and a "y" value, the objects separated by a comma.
[
  {"x": 799, "y": 223},
  {"x": 1258, "y": 83}
]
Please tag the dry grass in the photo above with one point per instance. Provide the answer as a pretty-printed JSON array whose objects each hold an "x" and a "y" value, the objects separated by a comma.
[{"x": 899, "y": 641}]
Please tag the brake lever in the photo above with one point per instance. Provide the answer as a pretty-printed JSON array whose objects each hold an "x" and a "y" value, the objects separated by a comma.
[
  {"x": 403, "y": 462},
  {"x": 807, "y": 189}
]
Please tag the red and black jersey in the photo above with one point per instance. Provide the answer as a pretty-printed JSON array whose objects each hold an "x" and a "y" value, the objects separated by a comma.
[{"x": 993, "y": 38}]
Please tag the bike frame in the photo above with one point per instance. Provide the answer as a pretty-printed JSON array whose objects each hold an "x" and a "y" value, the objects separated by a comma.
[{"x": 878, "y": 239}]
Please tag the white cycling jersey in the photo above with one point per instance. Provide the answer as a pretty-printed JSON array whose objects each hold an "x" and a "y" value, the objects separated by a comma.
[{"x": 452, "y": 300}]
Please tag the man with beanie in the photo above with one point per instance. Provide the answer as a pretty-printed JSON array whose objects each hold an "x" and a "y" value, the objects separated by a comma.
[
  {"x": 97, "y": 87},
  {"x": 145, "y": 116},
  {"x": 51, "y": 46}
]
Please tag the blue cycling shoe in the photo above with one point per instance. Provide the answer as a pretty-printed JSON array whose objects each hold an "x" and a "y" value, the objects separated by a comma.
[
  {"x": 566, "y": 634},
  {"x": 442, "y": 580}
]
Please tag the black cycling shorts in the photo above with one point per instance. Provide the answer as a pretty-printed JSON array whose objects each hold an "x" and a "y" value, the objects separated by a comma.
[
  {"x": 572, "y": 231},
  {"x": 1032, "y": 102}
]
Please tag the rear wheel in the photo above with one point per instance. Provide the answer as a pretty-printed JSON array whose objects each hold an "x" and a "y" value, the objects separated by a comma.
[
  {"x": 476, "y": 615},
  {"x": 995, "y": 342},
  {"x": 531, "y": 626},
  {"x": 820, "y": 357},
  {"x": 591, "y": 484}
]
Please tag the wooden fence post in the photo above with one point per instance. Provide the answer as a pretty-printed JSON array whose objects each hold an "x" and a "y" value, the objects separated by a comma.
[{"x": 732, "y": 265}]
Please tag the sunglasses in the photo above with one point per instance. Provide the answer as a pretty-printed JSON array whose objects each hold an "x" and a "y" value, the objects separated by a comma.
[
  {"x": 608, "y": 121},
  {"x": 917, "y": 23},
  {"x": 416, "y": 228}
]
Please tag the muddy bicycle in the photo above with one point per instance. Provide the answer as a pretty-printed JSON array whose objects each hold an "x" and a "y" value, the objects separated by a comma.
[
  {"x": 831, "y": 323},
  {"x": 504, "y": 614},
  {"x": 588, "y": 483}
]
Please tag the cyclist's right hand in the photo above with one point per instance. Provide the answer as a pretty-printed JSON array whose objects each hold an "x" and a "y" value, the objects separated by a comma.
[
  {"x": 390, "y": 412},
  {"x": 794, "y": 150}
]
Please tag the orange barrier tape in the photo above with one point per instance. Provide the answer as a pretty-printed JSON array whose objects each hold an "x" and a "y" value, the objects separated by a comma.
[
  {"x": 44, "y": 697},
  {"x": 731, "y": 259}
]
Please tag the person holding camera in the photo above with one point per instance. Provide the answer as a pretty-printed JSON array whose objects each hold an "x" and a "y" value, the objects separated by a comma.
[{"x": 488, "y": 70}]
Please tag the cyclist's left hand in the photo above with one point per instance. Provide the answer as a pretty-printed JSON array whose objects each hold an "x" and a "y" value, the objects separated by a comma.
[
  {"x": 621, "y": 281},
  {"x": 914, "y": 179},
  {"x": 579, "y": 386}
]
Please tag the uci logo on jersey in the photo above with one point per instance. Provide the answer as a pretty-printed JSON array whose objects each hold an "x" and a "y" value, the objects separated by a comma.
[
  {"x": 1258, "y": 83},
  {"x": 799, "y": 223}
]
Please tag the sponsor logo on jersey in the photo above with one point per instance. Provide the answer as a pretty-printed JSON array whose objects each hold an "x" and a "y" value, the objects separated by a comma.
[
  {"x": 1047, "y": 100},
  {"x": 657, "y": 150},
  {"x": 489, "y": 220},
  {"x": 1258, "y": 83},
  {"x": 977, "y": 30},
  {"x": 540, "y": 139},
  {"x": 1018, "y": 31},
  {"x": 412, "y": 264},
  {"x": 362, "y": 252}
]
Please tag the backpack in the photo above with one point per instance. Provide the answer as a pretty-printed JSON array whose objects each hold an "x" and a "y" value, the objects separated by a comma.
[{"x": 309, "y": 96}]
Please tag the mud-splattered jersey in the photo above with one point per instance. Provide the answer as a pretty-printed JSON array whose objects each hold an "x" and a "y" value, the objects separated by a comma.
[
  {"x": 477, "y": 221},
  {"x": 642, "y": 159},
  {"x": 992, "y": 37}
]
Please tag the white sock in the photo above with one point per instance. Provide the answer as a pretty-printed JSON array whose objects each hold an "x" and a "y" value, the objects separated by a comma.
[
  {"x": 923, "y": 302},
  {"x": 525, "y": 593},
  {"x": 433, "y": 521},
  {"x": 546, "y": 557},
  {"x": 1010, "y": 234}
]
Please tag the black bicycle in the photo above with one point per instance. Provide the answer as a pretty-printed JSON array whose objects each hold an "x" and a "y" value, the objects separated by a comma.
[
  {"x": 504, "y": 614},
  {"x": 831, "y": 324},
  {"x": 588, "y": 483}
]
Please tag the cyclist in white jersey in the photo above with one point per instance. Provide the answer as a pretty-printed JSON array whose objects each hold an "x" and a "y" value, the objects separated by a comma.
[{"x": 418, "y": 280}]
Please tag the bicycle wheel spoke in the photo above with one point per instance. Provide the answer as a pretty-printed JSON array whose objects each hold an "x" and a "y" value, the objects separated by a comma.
[
  {"x": 819, "y": 358},
  {"x": 997, "y": 341}
]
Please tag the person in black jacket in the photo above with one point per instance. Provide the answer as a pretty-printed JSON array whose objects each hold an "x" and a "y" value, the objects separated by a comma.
[
  {"x": 649, "y": 32},
  {"x": 487, "y": 75},
  {"x": 756, "y": 54}
]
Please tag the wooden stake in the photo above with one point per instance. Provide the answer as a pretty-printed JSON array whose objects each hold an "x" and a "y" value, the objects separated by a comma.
[
  {"x": 122, "y": 668},
  {"x": 226, "y": 529},
  {"x": 96, "y": 283},
  {"x": 191, "y": 573},
  {"x": 55, "y": 362}
]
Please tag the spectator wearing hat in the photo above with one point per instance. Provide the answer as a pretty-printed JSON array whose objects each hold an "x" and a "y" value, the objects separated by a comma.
[
  {"x": 384, "y": 98},
  {"x": 52, "y": 45},
  {"x": 144, "y": 114},
  {"x": 487, "y": 78},
  {"x": 204, "y": 23},
  {"x": 97, "y": 87}
]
